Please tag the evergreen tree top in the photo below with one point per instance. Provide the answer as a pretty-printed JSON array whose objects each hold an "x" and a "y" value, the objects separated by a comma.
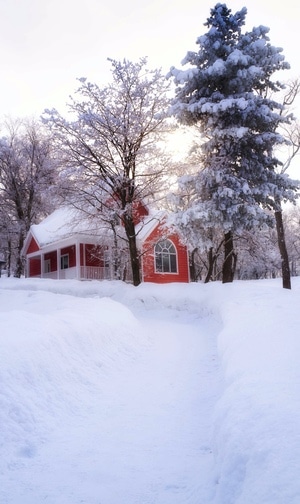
[
  {"x": 224, "y": 23},
  {"x": 228, "y": 64}
]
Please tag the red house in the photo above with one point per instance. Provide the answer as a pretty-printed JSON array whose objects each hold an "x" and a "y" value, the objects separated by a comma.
[{"x": 68, "y": 244}]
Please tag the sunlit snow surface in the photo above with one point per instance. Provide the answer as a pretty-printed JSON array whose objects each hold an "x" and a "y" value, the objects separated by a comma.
[{"x": 161, "y": 394}]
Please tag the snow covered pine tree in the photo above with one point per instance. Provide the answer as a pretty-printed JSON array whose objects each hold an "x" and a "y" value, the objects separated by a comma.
[{"x": 225, "y": 92}]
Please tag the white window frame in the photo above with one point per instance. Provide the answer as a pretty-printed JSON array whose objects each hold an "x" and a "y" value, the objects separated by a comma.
[
  {"x": 64, "y": 261},
  {"x": 167, "y": 254}
]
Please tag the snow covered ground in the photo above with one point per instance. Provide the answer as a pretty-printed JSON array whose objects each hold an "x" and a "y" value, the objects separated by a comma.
[{"x": 161, "y": 394}]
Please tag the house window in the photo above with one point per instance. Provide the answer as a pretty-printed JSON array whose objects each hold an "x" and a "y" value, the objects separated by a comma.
[
  {"x": 64, "y": 261},
  {"x": 165, "y": 257}
]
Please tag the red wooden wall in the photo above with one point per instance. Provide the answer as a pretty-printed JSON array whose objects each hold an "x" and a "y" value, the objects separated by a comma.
[
  {"x": 34, "y": 267},
  {"x": 93, "y": 255},
  {"x": 32, "y": 247},
  {"x": 71, "y": 250},
  {"x": 148, "y": 260}
]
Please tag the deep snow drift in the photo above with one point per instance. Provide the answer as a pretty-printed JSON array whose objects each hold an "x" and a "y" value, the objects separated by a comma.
[{"x": 167, "y": 394}]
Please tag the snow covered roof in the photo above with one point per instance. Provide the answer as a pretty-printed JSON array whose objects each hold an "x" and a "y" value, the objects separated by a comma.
[
  {"x": 64, "y": 223},
  {"x": 67, "y": 221},
  {"x": 146, "y": 226}
]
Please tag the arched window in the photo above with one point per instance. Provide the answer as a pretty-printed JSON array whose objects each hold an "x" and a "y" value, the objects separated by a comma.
[{"x": 165, "y": 257}]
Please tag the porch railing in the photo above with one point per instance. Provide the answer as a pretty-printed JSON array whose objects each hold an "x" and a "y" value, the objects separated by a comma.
[
  {"x": 94, "y": 273},
  {"x": 68, "y": 273},
  {"x": 86, "y": 273}
]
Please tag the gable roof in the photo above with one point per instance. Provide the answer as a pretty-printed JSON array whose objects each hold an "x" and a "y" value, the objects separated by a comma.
[
  {"x": 67, "y": 221},
  {"x": 62, "y": 223},
  {"x": 148, "y": 224}
]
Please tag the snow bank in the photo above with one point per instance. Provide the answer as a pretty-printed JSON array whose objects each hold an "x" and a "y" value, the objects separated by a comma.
[
  {"x": 257, "y": 419},
  {"x": 56, "y": 353}
]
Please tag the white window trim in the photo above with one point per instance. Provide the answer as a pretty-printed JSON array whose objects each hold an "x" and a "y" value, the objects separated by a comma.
[
  {"x": 176, "y": 255},
  {"x": 62, "y": 258}
]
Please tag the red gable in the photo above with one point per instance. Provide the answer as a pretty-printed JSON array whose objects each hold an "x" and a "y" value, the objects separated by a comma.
[
  {"x": 139, "y": 211},
  {"x": 32, "y": 247}
]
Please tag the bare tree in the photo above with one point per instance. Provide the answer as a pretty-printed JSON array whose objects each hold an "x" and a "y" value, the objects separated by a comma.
[
  {"x": 111, "y": 147},
  {"x": 27, "y": 174},
  {"x": 291, "y": 131}
]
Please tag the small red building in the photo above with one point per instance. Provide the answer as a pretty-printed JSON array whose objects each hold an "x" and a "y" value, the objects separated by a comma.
[
  {"x": 164, "y": 257},
  {"x": 68, "y": 245}
]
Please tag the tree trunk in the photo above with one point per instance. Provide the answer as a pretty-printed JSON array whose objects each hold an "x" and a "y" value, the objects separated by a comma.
[
  {"x": 19, "y": 271},
  {"x": 116, "y": 256},
  {"x": 229, "y": 259},
  {"x": 285, "y": 267},
  {"x": 193, "y": 273},
  {"x": 133, "y": 251},
  {"x": 211, "y": 263},
  {"x": 192, "y": 266},
  {"x": 9, "y": 253}
]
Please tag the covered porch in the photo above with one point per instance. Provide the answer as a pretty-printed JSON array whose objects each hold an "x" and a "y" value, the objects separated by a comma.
[
  {"x": 70, "y": 259},
  {"x": 76, "y": 259}
]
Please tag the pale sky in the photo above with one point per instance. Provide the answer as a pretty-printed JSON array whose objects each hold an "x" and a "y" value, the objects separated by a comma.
[{"x": 46, "y": 45}]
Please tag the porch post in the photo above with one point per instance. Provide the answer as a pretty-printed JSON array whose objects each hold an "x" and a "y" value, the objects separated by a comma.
[
  {"x": 84, "y": 261},
  {"x": 58, "y": 263},
  {"x": 77, "y": 255},
  {"x": 42, "y": 265}
]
